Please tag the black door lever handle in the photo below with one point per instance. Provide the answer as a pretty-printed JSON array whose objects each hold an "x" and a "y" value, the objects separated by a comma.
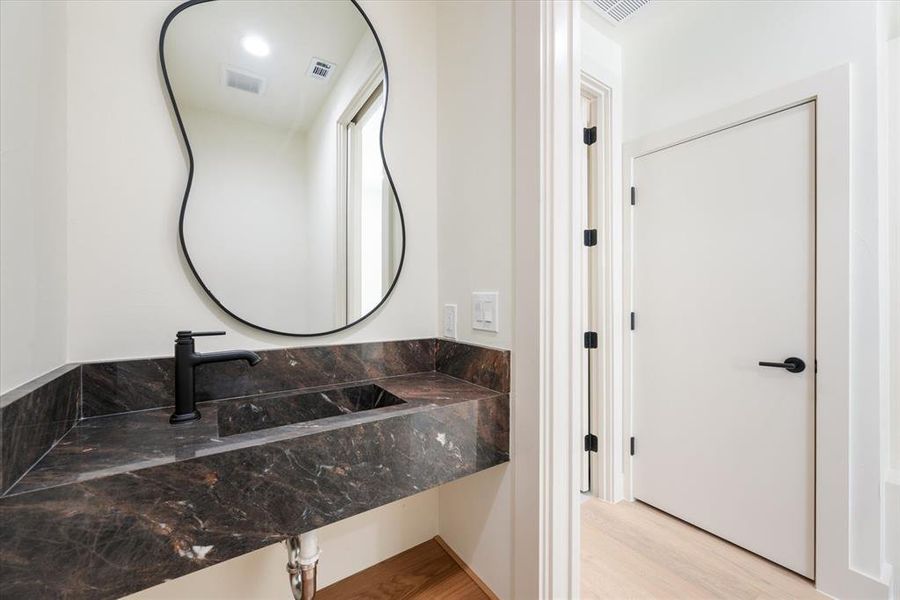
[{"x": 791, "y": 365}]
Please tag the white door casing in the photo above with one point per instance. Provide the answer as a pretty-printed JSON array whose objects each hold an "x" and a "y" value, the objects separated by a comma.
[
  {"x": 587, "y": 192},
  {"x": 603, "y": 285},
  {"x": 724, "y": 277}
]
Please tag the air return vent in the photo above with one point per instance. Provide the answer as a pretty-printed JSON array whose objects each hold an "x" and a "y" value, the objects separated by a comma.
[
  {"x": 244, "y": 81},
  {"x": 320, "y": 69},
  {"x": 617, "y": 11}
]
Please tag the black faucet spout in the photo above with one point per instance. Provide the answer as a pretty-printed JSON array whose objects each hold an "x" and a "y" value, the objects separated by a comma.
[
  {"x": 185, "y": 361},
  {"x": 252, "y": 358}
]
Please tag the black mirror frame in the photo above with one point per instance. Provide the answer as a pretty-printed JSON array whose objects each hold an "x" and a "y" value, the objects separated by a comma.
[{"x": 187, "y": 191}]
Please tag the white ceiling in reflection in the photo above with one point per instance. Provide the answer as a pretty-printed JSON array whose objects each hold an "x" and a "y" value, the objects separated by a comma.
[{"x": 291, "y": 100}]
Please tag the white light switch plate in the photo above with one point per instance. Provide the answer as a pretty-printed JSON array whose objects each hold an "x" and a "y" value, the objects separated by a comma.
[
  {"x": 486, "y": 311},
  {"x": 450, "y": 321}
]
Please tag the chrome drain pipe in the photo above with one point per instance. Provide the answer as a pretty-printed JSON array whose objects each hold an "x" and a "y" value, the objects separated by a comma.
[{"x": 303, "y": 558}]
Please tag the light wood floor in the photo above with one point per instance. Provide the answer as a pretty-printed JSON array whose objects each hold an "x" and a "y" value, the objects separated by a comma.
[
  {"x": 424, "y": 571},
  {"x": 630, "y": 550}
]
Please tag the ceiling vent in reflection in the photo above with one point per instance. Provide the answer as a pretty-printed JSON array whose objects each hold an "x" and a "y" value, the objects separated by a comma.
[
  {"x": 617, "y": 11},
  {"x": 320, "y": 69},
  {"x": 244, "y": 81}
]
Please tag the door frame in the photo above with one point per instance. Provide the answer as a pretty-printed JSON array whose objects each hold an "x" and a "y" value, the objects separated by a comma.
[
  {"x": 600, "y": 287},
  {"x": 547, "y": 335},
  {"x": 831, "y": 92}
]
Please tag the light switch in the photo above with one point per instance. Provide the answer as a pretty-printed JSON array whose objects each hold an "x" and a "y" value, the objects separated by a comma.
[
  {"x": 486, "y": 311},
  {"x": 450, "y": 321}
]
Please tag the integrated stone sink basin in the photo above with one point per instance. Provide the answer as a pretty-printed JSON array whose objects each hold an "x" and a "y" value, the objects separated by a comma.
[{"x": 254, "y": 414}]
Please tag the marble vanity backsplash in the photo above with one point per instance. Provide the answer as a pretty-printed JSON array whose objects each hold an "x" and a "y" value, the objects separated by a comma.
[
  {"x": 487, "y": 367},
  {"x": 123, "y": 386},
  {"x": 35, "y": 416}
]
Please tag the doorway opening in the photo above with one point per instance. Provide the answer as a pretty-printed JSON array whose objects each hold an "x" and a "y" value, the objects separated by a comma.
[
  {"x": 713, "y": 456},
  {"x": 556, "y": 206},
  {"x": 670, "y": 219}
]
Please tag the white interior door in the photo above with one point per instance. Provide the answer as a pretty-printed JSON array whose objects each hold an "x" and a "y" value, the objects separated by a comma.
[{"x": 724, "y": 264}]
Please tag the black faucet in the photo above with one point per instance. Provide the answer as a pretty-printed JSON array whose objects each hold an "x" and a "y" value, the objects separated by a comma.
[{"x": 185, "y": 361}]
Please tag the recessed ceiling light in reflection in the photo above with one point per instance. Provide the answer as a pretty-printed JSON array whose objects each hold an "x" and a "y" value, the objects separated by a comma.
[{"x": 255, "y": 45}]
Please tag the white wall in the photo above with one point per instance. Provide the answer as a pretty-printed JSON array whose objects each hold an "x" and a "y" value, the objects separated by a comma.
[
  {"x": 127, "y": 176},
  {"x": 248, "y": 220},
  {"x": 892, "y": 246},
  {"x": 475, "y": 243},
  {"x": 475, "y": 178},
  {"x": 601, "y": 57},
  {"x": 685, "y": 59},
  {"x": 32, "y": 190}
]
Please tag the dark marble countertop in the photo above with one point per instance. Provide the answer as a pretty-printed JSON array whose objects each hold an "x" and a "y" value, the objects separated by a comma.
[
  {"x": 102, "y": 446},
  {"x": 126, "y": 501}
]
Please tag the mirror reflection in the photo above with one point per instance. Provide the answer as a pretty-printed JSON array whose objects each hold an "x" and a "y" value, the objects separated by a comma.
[{"x": 291, "y": 222}]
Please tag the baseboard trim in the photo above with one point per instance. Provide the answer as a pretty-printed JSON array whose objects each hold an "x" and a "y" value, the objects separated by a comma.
[{"x": 468, "y": 570}]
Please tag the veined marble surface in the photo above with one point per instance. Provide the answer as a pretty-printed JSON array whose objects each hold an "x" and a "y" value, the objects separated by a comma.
[
  {"x": 35, "y": 416},
  {"x": 128, "y": 385},
  {"x": 125, "y": 442},
  {"x": 126, "y": 501}
]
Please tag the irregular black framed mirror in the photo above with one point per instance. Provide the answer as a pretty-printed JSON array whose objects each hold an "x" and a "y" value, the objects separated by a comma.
[{"x": 290, "y": 219}]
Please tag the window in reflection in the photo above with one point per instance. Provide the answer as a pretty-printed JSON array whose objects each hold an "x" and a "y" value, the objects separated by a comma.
[
  {"x": 369, "y": 179},
  {"x": 371, "y": 224}
]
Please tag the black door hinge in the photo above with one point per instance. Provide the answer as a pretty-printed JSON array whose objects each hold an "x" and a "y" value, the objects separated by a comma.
[
  {"x": 590, "y": 339},
  {"x": 590, "y": 237},
  {"x": 632, "y": 321},
  {"x": 591, "y": 443},
  {"x": 633, "y": 195},
  {"x": 590, "y": 135},
  {"x": 631, "y": 442}
]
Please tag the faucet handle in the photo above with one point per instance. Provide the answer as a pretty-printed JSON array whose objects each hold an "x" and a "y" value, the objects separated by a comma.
[{"x": 182, "y": 335}]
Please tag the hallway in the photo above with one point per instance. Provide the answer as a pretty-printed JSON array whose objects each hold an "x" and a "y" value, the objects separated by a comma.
[{"x": 631, "y": 550}]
